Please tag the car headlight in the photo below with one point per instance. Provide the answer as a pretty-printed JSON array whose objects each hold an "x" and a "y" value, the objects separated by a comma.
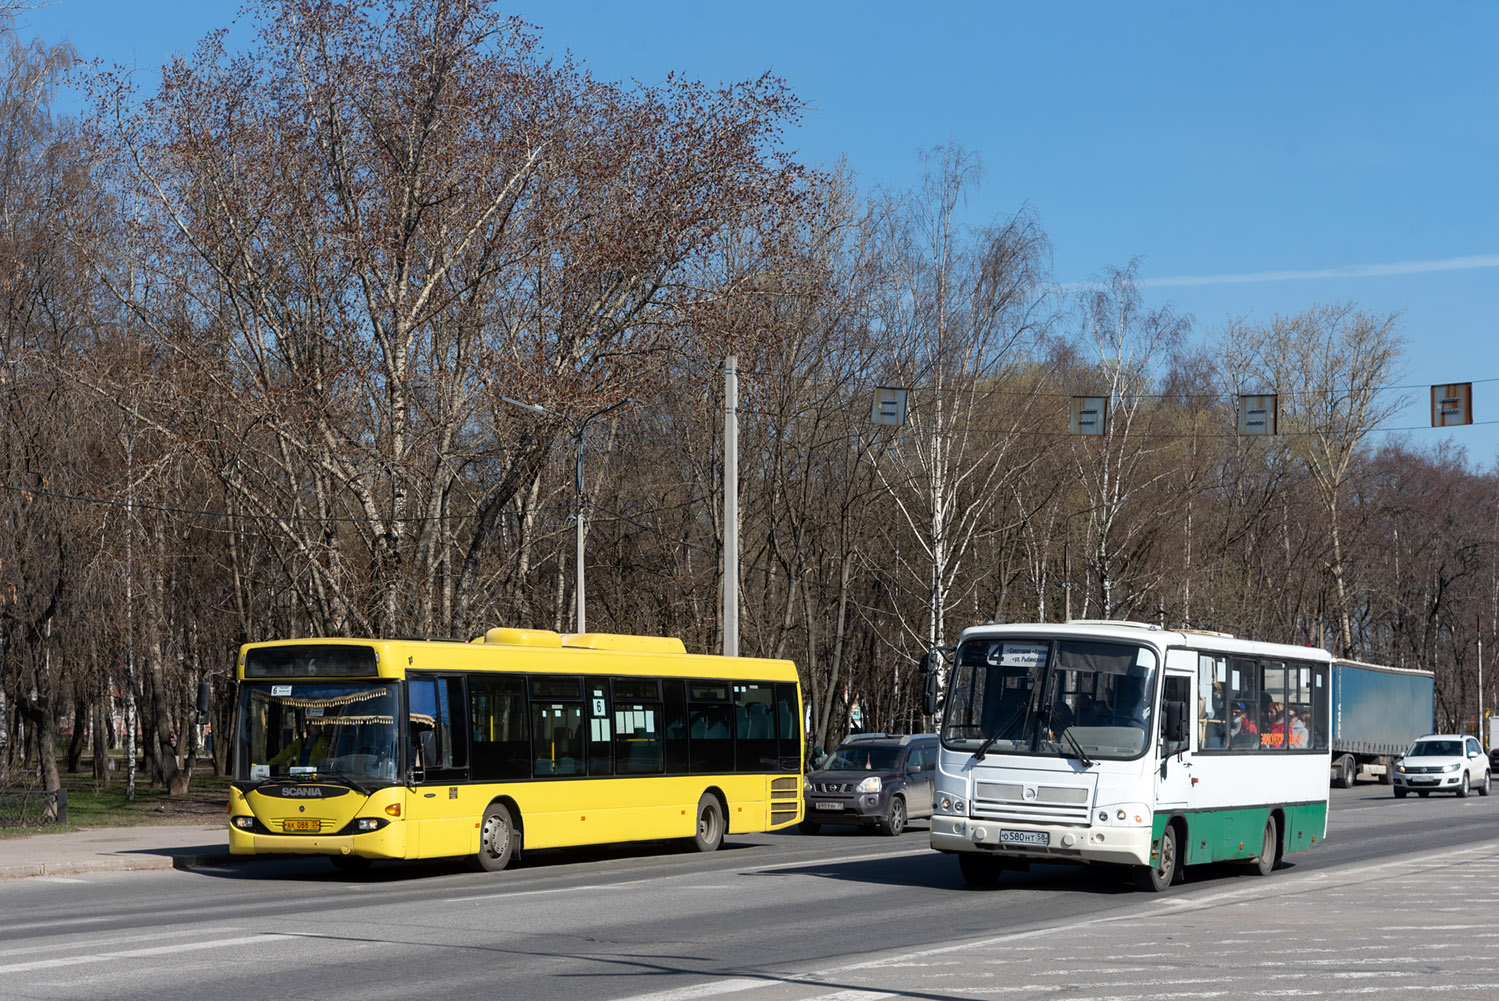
[
  {"x": 806, "y": 784},
  {"x": 871, "y": 784},
  {"x": 1456, "y": 766}
]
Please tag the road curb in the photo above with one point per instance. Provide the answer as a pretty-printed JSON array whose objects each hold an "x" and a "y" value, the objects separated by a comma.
[{"x": 76, "y": 868}]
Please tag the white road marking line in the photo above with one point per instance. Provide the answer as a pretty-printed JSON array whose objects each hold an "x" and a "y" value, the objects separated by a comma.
[
  {"x": 160, "y": 950},
  {"x": 117, "y": 940}
]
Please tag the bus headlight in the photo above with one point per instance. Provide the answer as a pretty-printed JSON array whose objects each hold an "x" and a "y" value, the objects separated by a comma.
[
  {"x": 243, "y": 823},
  {"x": 871, "y": 784},
  {"x": 950, "y": 804},
  {"x": 363, "y": 825}
]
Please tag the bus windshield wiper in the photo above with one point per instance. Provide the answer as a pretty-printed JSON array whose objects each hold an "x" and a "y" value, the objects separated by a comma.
[
  {"x": 984, "y": 747},
  {"x": 1082, "y": 755},
  {"x": 345, "y": 780}
]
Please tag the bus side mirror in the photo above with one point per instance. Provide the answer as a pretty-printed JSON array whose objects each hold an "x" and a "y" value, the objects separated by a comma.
[
  {"x": 931, "y": 685},
  {"x": 1176, "y": 722},
  {"x": 205, "y": 699}
]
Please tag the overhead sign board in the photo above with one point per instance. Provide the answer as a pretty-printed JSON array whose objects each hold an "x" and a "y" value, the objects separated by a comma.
[
  {"x": 1089, "y": 415},
  {"x": 889, "y": 405},
  {"x": 1259, "y": 414},
  {"x": 1452, "y": 404}
]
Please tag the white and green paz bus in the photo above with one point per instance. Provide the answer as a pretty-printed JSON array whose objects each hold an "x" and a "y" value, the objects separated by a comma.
[{"x": 1126, "y": 745}]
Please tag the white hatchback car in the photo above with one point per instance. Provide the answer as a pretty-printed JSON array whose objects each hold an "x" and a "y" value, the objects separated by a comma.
[{"x": 1442, "y": 762}]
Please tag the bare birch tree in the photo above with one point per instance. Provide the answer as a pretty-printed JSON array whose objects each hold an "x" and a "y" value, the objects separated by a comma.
[
  {"x": 1331, "y": 367},
  {"x": 960, "y": 311}
]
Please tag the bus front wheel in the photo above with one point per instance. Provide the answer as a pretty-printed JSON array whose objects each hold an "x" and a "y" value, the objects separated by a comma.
[
  {"x": 709, "y": 824},
  {"x": 1156, "y": 878},
  {"x": 496, "y": 838}
]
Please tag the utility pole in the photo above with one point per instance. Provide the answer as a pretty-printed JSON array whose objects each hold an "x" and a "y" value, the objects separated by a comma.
[
  {"x": 731, "y": 506},
  {"x": 580, "y": 498}
]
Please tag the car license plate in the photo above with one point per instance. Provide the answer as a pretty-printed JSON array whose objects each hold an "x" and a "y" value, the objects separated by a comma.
[
  {"x": 302, "y": 825},
  {"x": 1040, "y": 838},
  {"x": 827, "y": 806}
]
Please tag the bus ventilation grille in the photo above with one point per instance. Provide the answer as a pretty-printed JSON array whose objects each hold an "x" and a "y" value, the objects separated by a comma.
[
  {"x": 1037, "y": 804},
  {"x": 785, "y": 799}
]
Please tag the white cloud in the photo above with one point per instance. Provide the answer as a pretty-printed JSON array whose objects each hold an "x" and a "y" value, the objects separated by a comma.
[{"x": 1353, "y": 271}]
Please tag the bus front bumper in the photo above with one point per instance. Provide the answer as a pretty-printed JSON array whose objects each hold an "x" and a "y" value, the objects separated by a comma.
[
  {"x": 389, "y": 842},
  {"x": 1041, "y": 842}
]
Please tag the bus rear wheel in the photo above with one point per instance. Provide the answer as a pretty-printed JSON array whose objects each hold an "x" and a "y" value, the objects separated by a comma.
[
  {"x": 1156, "y": 878},
  {"x": 496, "y": 838},
  {"x": 1264, "y": 863},
  {"x": 709, "y": 824}
]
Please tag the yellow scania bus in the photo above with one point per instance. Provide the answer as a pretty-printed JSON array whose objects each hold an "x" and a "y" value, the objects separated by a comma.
[{"x": 363, "y": 749}]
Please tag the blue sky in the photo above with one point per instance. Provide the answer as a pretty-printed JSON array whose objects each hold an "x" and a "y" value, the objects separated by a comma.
[{"x": 1257, "y": 158}]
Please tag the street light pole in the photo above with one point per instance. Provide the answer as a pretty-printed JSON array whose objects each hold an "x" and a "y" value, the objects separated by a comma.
[{"x": 580, "y": 499}]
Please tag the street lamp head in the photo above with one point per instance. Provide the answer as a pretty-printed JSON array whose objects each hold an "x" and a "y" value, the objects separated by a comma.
[{"x": 534, "y": 408}]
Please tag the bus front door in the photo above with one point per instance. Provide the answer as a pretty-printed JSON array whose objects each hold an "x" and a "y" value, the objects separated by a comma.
[{"x": 1174, "y": 757}]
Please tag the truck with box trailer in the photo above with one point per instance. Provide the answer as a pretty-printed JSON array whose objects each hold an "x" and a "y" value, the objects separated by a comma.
[{"x": 1376, "y": 713}]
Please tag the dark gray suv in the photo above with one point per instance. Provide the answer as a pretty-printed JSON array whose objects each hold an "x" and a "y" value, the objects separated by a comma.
[{"x": 873, "y": 779}]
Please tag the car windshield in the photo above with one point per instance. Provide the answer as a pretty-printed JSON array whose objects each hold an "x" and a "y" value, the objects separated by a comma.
[
  {"x": 861, "y": 758},
  {"x": 1435, "y": 749},
  {"x": 318, "y": 730},
  {"x": 1041, "y": 696}
]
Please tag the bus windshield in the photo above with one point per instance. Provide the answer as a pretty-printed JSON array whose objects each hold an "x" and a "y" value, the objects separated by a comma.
[
  {"x": 1036, "y": 696},
  {"x": 319, "y": 730}
]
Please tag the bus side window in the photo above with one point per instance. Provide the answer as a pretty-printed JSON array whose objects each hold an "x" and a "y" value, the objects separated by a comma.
[
  {"x": 500, "y": 744},
  {"x": 1212, "y": 707},
  {"x": 1320, "y": 697},
  {"x": 423, "y": 750},
  {"x": 1178, "y": 689}
]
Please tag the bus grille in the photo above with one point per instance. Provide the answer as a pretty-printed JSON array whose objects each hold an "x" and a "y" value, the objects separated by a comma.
[
  {"x": 1044, "y": 804},
  {"x": 785, "y": 799}
]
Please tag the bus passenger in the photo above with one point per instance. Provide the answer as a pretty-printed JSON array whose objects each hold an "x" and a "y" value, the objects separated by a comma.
[
  {"x": 1298, "y": 728},
  {"x": 1275, "y": 733},
  {"x": 1243, "y": 732}
]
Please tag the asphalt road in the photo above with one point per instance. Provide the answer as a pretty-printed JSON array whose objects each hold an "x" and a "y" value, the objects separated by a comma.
[{"x": 1399, "y": 902}]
